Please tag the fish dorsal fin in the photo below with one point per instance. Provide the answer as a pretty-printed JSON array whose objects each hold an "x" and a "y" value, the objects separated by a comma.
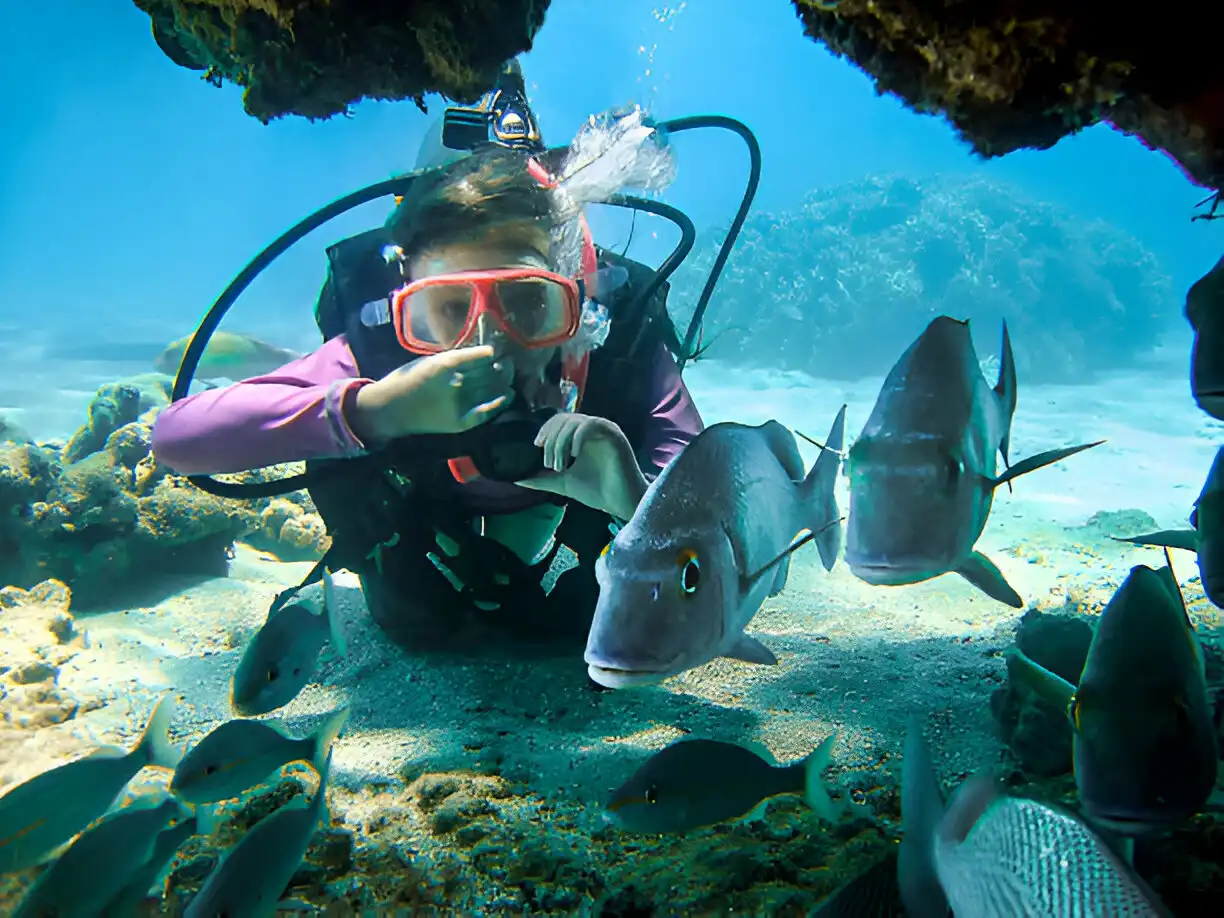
[
  {"x": 748, "y": 581},
  {"x": 1005, "y": 395},
  {"x": 1175, "y": 588},
  {"x": 1185, "y": 539},
  {"x": 968, "y": 803},
  {"x": 1041, "y": 460}
]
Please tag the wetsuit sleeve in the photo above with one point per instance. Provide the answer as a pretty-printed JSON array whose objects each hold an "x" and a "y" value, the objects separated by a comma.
[
  {"x": 292, "y": 414},
  {"x": 674, "y": 420}
]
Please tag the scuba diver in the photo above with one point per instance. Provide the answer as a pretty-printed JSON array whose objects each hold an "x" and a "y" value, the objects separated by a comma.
[{"x": 492, "y": 386}]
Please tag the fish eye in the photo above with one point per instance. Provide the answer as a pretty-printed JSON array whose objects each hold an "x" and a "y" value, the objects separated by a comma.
[
  {"x": 1074, "y": 712},
  {"x": 956, "y": 468},
  {"x": 210, "y": 770},
  {"x": 272, "y": 674},
  {"x": 652, "y": 794},
  {"x": 690, "y": 572}
]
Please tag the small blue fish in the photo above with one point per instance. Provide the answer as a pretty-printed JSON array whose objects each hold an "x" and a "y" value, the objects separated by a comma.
[
  {"x": 696, "y": 783},
  {"x": 40, "y": 815},
  {"x": 240, "y": 754},
  {"x": 100, "y": 862},
  {"x": 253, "y": 875},
  {"x": 281, "y": 659},
  {"x": 127, "y": 901}
]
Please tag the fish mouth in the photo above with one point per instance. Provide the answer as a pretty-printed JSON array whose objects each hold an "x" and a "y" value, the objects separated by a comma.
[
  {"x": 615, "y": 677},
  {"x": 885, "y": 573},
  {"x": 1132, "y": 823}
]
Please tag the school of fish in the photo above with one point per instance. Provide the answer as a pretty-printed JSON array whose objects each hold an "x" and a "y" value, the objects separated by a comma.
[{"x": 680, "y": 582}]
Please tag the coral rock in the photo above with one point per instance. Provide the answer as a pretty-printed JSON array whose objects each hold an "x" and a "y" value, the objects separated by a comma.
[
  {"x": 1027, "y": 74},
  {"x": 317, "y": 57}
]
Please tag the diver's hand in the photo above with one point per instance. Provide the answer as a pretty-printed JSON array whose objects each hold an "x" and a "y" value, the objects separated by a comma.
[
  {"x": 604, "y": 473},
  {"x": 440, "y": 394}
]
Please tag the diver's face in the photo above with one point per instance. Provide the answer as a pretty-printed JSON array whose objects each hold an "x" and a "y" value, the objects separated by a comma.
[{"x": 448, "y": 306}]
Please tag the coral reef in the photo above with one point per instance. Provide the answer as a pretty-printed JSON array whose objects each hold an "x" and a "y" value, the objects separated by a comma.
[
  {"x": 861, "y": 267},
  {"x": 317, "y": 57},
  {"x": 1027, "y": 74},
  {"x": 101, "y": 508},
  {"x": 37, "y": 637}
]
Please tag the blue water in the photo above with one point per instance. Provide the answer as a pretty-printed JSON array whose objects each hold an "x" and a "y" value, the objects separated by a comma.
[
  {"x": 131, "y": 192},
  {"x": 150, "y": 189}
]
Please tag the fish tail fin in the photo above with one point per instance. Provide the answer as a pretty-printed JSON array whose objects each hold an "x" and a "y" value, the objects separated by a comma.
[
  {"x": 330, "y": 613},
  {"x": 326, "y": 735},
  {"x": 1005, "y": 391},
  {"x": 922, "y": 811},
  {"x": 208, "y": 819},
  {"x": 320, "y": 798},
  {"x": 814, "y": 791},
  {"x": 155, "y": 745},
  {"x": 819, "y": 497}
]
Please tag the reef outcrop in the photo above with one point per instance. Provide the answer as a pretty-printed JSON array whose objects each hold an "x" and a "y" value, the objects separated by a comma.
[
  {"x": 1027, "y": 74},
  {"x": 315, "y": 58},
  {"x": 99, "y": 509},
  {"x": 841, "y": 284},
  {"x": 1007, "y": 76}
]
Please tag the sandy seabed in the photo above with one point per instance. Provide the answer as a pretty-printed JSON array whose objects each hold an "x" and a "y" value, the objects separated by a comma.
[{"x": 474, "y": 786}]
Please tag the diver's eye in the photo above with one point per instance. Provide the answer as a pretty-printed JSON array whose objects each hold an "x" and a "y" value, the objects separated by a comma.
[
  {"x": 652, "y": 794},
  {"x": 690, "y": 572},
  {"x": 272, "y": 674}
]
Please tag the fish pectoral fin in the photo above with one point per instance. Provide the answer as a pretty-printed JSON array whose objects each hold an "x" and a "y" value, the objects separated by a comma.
[
  {"x": 1186, "y": 539},
  {"x": 1032, "y": 676},
  {"x": 982, "y": 573},
  {"x": 1041, "y": 460},
  {"x": 783, "y": 572},
  {"x": 750, "y": 650}
]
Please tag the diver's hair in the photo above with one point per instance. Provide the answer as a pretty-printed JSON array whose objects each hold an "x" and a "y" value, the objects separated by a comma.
[{"x": 467, "y": 199}]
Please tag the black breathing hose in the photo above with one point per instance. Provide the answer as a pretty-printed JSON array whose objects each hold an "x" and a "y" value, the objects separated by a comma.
[{"x": 397, "y": 186}]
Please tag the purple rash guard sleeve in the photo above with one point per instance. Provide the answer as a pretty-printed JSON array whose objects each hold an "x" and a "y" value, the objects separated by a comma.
[
  {"x": 673, "y": 421},
  {"x": 298, "y": 413},
  {"x": 290, "y": 415}
]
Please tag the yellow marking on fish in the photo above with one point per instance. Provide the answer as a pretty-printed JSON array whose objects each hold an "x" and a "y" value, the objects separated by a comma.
[{"x": 23, "y": 832}]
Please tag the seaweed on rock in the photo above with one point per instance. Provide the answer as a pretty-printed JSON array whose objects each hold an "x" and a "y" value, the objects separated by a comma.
[{"x": 840, "y": 285}]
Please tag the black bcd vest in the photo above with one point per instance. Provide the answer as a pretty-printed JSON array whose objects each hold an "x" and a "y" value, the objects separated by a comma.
[{"x": 369, "y": 500}]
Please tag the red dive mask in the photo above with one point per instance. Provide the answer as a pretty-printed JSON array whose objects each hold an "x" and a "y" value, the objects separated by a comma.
[{"x": 533, "y": 307}]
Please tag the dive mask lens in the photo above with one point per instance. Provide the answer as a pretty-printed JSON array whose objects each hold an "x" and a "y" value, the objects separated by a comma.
[{"x": 535, "y": 308}]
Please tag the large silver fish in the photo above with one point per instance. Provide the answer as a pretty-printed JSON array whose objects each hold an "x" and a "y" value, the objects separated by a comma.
[
  {"x": 1205, "y": 312},
  {"x": 995, "y": 856},
  {"x": 710, "y": 541},
  {"x": 923, "y": 473},
  {"x": 1206, "y": 538},
  {"x": 1144, "y": 739}
]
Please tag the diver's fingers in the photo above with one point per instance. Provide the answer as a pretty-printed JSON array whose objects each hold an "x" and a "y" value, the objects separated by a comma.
[
  {"x": 564, "y": 443},
  {"x": 466, "y": 359},
  {"x": 549, "y": 434},
  {"x": 586, "y": 430},
  {"x": 483, "y": 412}
]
